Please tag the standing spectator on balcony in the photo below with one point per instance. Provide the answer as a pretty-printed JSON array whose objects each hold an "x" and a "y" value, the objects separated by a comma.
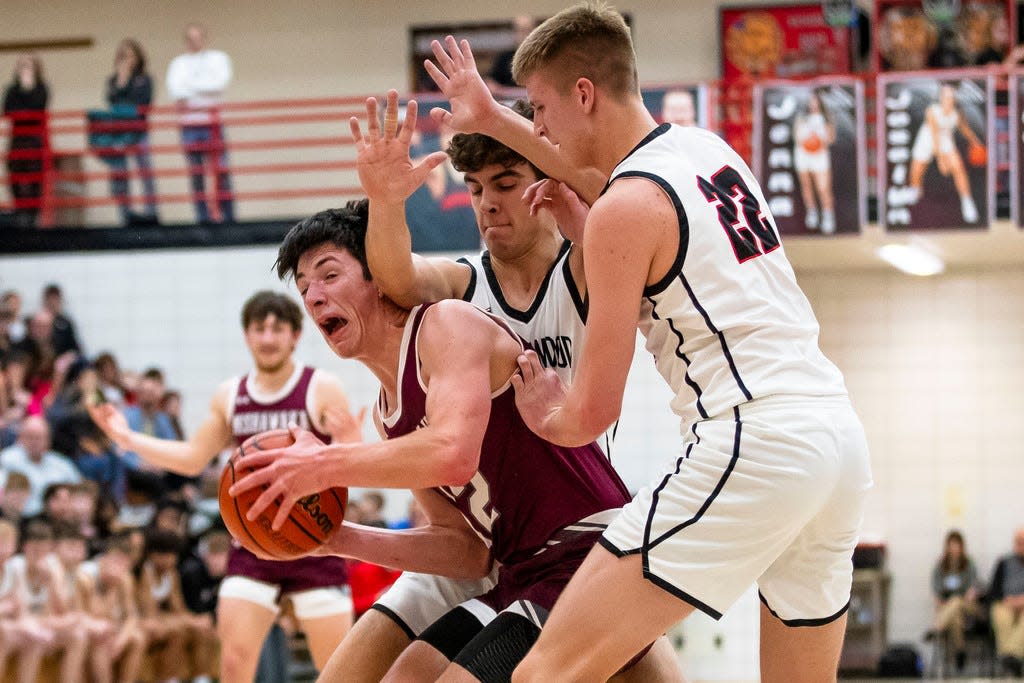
[
  {"x": 196, "y": 81},
  {"x": 129, "y": 94},
  {"x": 25, "y": 103},
  {"x": 32, "y": 457},
  {"x": 64, "y": 336},
  {"x": 500, "y": 75}
]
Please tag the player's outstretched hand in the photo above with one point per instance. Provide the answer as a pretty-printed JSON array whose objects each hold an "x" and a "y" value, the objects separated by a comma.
[
  {"x": 569, "y": 210},
  {"x": 456, "y": 75},
  {"x": 539, "y": 393},
  {"x": 386, "y": 171},
  {"x": 112, "y": 421},
  {"x": 288, "y": 473},
  {"x": 343, "y": 426}
]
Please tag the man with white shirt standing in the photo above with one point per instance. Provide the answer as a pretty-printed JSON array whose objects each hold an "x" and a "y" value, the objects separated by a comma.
[
  {"x": 32, "y": 457},
  {"x": 196, "y": 81}
]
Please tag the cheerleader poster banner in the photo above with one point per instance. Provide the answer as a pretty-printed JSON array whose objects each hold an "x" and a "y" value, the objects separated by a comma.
[
  {"x": 809, "y": 154},
  {"x": 934, "y": 166}
]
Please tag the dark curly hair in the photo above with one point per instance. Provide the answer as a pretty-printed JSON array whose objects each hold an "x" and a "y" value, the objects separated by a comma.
[
  {"x": 344, "y": 228},
  {"x": 470, "y": 152}
]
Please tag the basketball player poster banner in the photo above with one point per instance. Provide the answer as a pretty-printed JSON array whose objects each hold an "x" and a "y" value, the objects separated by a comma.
[
  {"x": 809, "y": 154},
  {"x": 1017, "y": 146},
  {"x": 782, "y": 41},
  {"x": 682, "y": 104},
  {"x": 934, "y": 169}
]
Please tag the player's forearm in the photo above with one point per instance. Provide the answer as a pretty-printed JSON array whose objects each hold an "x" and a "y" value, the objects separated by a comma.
[
  {"x": 181, "y": 457},
  {"x": 516, "y": 132},
  {"x": 422, "y": 459},
  {"x": 389, "y": 253},
  {"x": 429, "y": 550}
]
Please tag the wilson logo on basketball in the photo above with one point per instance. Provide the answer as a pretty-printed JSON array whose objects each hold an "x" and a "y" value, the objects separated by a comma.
[{"x": 311, "y": 504}]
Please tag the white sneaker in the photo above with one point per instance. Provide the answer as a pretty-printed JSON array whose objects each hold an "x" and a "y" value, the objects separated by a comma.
[
  {"x": 968, "y": 210},
  {"x": 828, "y": 221},
  {"x": 811, "y": 220}
]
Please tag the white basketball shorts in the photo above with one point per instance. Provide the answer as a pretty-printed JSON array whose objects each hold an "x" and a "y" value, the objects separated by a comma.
[{"x": 415, "y": 601}]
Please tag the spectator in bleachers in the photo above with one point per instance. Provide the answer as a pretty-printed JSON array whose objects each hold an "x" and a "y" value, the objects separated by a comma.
[
  {"x": 16, "y": 492},
  {"x": 371, "y": 510},
  {"x": 63, "y": 333},
  {"x": 41, "y": 358},
  {"x": 11, "y": 302},
  {"x": 84, "y": 505},
  {"x": 196, "y": 80},
  {"x": 110, "y": 380},
  {"x": 33, "y": 457},
  {"x": 165, "y": 620},
  {"x": 171, "y": 404},
  {"x": 955, "y": 588},
  {"x": 97, "y": 457},
  {"x": 20, "y": 634},
  {"x": 57, "y": 504},
  {"x": 171, "y": 516},
  {"x": 109, "y": 590},
  {"x": 1006, "y": 594},
  {"x": 129, "y": 92},
  {"x": 201, "y": 575},
  {"x": 25, "y": 103},
  {"x": 77, "y": 384},
  {"x": 146, "y": 416}
]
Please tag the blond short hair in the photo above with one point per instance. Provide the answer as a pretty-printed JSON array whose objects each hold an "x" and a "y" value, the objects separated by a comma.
[{"x": 590, "y": 40}]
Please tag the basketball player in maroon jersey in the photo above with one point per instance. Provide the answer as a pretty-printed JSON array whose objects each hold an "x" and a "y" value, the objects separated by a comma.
[
  {"x": 278, "y": 392},
  {"x": 454, "y": 435}
]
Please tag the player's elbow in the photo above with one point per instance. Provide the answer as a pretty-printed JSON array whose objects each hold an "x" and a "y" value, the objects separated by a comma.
[{"x": 458, "y": 461}]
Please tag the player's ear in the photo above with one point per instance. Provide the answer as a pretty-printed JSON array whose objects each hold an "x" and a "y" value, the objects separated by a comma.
[{"x": 583, "y": 94}]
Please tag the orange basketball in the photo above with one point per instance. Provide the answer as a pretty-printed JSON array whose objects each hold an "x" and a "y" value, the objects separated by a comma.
[
  {"x": 812, "y": 144},
  {"x": 311, "y": 522},
  {"x": 977, "y": 155}
]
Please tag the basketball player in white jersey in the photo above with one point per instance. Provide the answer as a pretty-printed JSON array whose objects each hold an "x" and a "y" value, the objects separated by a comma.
[
  {"x": 277, "y": 392},
  {"x": 528, "y": 275},
  {"x": 770, "y": 482},
  {"x": 934, "y": 140}
]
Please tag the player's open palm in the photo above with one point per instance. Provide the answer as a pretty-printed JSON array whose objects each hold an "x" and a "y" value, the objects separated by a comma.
[
  {"x": 112, "y": 421},
  {"x": 539, "y": 393},
  {"x": 456, "y": 75},
  {"x": 570, "y": 212},
  {"x": 386, "y": 171}
]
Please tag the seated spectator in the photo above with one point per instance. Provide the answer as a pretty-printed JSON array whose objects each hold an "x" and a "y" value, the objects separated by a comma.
[
  {"x": 171, "y": 515},
  {"x": 171, "y": 404},
  {"x": 84, "y": 501},
  {"x": 32, "y": 457},
  {"x": 165, "y": 621},
  {"x": 41, "y": 358},
  {"x": 20, "y": 634},
  {"x": 109, "y": 591},
  {"x": 18, "y": 398},
  {"x": 47, "y": 602},
  {"x": 129, "y": 92},
  {"x": 1006, "y": 593},
  {"x": 111, "y": 384},
  {"x": 147, "y": 417},
  {"x": 10, "y": 302},
  {"x": 955, "y": 587},
  {"x": 97, "y": 457},
  {"x": 16, "y": 493},
  {"x": 64, "y": 336},
  {"x": 201, "y": 575},
  {"x": 78, "y": 384},
  {"x": 370, "y": 507}
]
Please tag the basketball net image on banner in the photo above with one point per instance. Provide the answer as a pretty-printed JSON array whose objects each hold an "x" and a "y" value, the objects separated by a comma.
[
  {"x": 807, "y": 156},
  {"x": 684, "y": 105},
  {"x": 934, "y": 169}
]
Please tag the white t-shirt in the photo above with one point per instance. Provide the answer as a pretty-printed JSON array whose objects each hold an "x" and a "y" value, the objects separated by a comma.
[
  {"x": 199, "y": 78},
  {"x": 53, "y": 468}
]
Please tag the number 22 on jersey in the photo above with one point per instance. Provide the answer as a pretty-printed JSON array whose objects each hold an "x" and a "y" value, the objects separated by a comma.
[{"x": 748, "y": 229}]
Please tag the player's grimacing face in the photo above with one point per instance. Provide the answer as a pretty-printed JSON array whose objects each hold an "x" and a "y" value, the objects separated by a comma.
[
  {"x": 502, "y": 216},
  {"x": 271, "y": 341},
  {"x": 337, "y": 297}
]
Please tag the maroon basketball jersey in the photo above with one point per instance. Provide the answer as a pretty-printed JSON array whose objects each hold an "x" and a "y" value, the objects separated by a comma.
[
  {"x": 252, "y": 414},
  {"x": 525, "y": 488}
]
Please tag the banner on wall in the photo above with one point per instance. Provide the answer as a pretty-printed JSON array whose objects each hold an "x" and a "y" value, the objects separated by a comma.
[
  {"x": 1017, "y": 146},
  {"x": 809, "y": 154},
  {"x": 683, "y": 104},
  {"x": 934, "y": 166},
  {"x": 781, "y": 41}
]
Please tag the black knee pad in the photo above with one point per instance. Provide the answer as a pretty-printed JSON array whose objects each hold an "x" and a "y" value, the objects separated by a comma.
[
  {"x": 452, "y": 632},
  {"x": 493, "y": 655}
]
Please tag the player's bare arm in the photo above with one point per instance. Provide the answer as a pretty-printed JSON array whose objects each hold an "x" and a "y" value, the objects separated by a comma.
[
  {"x": 456, "y": 362},
  {"x": 389, "y": 176},
  {"x": 632, "y": 238},
  {"x": 331, "y": 410},
  {"x": 474, "y": 110},
  {"x": 184, "y": 457},
  {"x": 446, "y": 546}
]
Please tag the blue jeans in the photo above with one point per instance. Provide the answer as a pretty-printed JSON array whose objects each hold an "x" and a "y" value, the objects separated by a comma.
[
  {"x": 205, "y": 145},
  {"x": 119, "y": 178}
]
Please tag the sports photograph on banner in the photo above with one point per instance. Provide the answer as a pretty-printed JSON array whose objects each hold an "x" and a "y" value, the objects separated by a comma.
[
  {"x": 934, "y": 166},
  {"x": 1017, "y": 146},
  {"x": 682, "y": 104},
  {"x": 809, "y": 154}
]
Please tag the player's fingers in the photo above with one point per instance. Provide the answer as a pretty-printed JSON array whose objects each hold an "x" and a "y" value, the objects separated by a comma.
[
  {"x": 534, "y": 360},
  {"x": 357, "y": 133},
  {"x": 441, "y": 116},
  {"x": 391, "y": 115},
  {"x": 372, "y": 123},
  {"x": 257, "y": 459},
  {"x": 517, "y": 382},
  {"x": 525, "y": 369},
  {"x": 423, "y": 169},
  {"x": 454, "y": 51},
  {"x": 436, "y": 74},
  {"x": 409, "y": 125},
  {"x": 262, "y": 502},
  {"x": 443, "y": 60},
  {"x": 283, "y": 511},
  {"x": 467, "y": 54}
]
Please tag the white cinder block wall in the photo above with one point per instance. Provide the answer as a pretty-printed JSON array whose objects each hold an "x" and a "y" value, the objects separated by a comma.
[{"x": 934, "y": 366}]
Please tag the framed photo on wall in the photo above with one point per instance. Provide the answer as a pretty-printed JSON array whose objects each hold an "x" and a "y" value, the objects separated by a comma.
[{"x": 806, "y": 134}]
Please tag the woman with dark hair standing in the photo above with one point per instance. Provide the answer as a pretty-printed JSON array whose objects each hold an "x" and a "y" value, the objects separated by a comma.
[
  {"x": 25, "y": 104},
  {"x": 955, "y": 587},
  {"x": 129, "y": 94}
]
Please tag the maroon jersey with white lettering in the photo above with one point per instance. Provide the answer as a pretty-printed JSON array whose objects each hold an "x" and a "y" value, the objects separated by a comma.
[
  {"x": 525, "y": 489},
  {"x": 250, "y": 412}
]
